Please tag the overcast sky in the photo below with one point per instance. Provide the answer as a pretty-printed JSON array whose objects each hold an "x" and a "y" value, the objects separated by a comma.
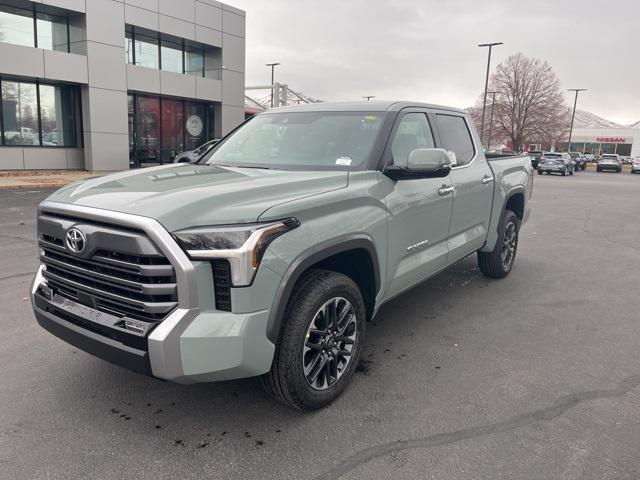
[{"x": 426, "y": 49}]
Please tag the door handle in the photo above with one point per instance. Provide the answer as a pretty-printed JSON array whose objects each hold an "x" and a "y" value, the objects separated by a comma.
[
  {"x": 487, "y": 180},
  {"x": 445, "y": 190}
]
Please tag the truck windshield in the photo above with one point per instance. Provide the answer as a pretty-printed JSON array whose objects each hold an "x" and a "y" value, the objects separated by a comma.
[{"x": 305, "y": 140}]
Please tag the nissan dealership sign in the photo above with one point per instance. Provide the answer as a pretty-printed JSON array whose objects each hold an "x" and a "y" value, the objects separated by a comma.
[{"x": 612, "y": 140}]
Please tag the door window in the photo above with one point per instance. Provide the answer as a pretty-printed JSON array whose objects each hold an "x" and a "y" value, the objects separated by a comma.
[
  {"x": 413, "y": 132},
  {"x": 456, "y": 138}
]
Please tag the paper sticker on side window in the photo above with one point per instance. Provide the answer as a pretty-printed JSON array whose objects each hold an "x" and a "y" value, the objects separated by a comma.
[{"x": 343, "y": 161}]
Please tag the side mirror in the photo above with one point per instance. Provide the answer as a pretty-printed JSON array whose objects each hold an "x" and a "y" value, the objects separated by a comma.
[{"x": 423, "y": 163}]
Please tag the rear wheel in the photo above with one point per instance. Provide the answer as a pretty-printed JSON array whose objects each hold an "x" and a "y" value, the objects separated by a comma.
[
  {"x": 498, "y": 263},
  {"x": 320, "y": 345}
]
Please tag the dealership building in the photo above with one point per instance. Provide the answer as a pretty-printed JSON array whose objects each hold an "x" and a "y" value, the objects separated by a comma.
[
  {"x": 112, "y": 85},
  {"x": 623, "y": 141}
]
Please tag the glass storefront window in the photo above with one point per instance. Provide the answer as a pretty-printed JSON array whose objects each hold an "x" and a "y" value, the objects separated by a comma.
[
  {"x": 162, "y": 127},
  {"x": 171, "y": 55},
  {"x": 147, "y": 129},
  {"x": 172, "y": 129},
  {"x": 57, "y": 116},
  {"x": 146, "y": 51},
  {"x": 194, "y": 61},
  {"x": 20, "y": 113},
  {"x": 57, "y": 124},
  {"x": 17, "y": 27},
  {"x": 52, "y": 32},
  {"x": 153, "y": 50},
  {"x": 194, "y": 119}
]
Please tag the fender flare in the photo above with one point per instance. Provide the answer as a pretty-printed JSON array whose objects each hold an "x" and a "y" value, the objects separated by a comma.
[
  {"x": 305, "y": 260},
  {"x": 513, "y": 192}
]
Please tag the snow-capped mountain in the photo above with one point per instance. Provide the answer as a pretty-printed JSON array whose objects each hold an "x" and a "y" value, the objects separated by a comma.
[{"x": 589, "y": 120}]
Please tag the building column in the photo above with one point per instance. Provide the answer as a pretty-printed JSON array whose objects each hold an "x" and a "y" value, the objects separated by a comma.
[{"x": 104, "y": 99}]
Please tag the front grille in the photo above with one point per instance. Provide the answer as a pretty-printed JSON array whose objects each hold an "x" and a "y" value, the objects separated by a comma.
[{"x": 122, "y": 272}]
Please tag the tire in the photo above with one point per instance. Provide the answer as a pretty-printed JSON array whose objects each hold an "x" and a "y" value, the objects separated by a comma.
[
  {"x": 539, "y": 172},
  {"x": 493, "y": 264},
  {"x": 312, "y": 299}
]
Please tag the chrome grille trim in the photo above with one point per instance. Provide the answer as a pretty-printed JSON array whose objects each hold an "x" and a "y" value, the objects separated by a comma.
[
  {"x": 124, "y": 272},
  {"x": 164, "y": 340}
]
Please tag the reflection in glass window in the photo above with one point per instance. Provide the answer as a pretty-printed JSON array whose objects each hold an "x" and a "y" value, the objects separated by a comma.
[
  {"x": 146, "y": 51},
  {"x": 16, "y": 26},
  {"x": 171, "y": 55},
  {"x": 194, "y": 61},
  {"x": 147, "y": 129},
  {"x": 172, "y": 129},
  {"x": 52, "y": 32},
  {"x": 20, "y": 113},
  {"x": 194, "y": 120},
  {"x": 162, "y": 127},
  {"x": 57, "y": 108},
  {"x": 57, "y": 116}
]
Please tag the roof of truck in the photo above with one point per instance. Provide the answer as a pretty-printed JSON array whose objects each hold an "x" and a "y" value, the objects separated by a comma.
[{"x": 372, "y": 106}]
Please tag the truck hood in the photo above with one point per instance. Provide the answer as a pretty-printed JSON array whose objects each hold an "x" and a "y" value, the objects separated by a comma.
[{"x": 183, "y": 195}]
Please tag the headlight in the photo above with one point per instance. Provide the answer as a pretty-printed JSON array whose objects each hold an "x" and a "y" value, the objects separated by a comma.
[{"x": 242, "y": 245}]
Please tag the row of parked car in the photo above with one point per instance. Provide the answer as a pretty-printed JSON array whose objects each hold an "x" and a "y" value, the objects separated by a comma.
[{"x": 568, "y": 163}]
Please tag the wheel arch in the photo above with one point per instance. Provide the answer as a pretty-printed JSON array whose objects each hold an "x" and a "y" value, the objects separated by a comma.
[{"x": 331, "y": 255}]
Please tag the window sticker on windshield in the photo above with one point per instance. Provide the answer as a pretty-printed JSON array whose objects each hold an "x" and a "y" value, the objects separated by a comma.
[
  {"x": 343, "y": 161},
  {"x": 371, "y": 118}
]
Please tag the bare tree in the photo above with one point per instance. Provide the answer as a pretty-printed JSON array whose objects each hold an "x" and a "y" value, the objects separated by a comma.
[{"x": 529, "y": 105}]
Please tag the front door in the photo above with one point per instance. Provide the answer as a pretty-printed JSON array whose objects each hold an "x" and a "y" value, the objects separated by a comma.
[
  {"x": 418, "y": 210},
  {"x": 473, "y": 184}
]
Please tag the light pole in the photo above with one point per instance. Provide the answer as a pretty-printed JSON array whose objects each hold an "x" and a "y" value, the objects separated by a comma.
[
  {"x": 369, "y": 97},
  {"x": 273, "y": 67},
  {"x": 493, "y": 102},
  {"x": 573, "y": 115},
  {"x": 486, "y": 83}
]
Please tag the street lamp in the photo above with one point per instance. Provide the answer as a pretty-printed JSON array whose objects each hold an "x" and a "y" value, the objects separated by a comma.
[
  {"x": 493, "y": 102},
  {"x": 369, "y": 97},
  {"x": 575, "y": 102},
  {"x": 273, "y": 67},
  {"x": 486, "y": 82}
]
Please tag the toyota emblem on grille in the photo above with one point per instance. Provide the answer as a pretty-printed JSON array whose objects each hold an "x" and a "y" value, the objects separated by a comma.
[{"x": 76, "y": 241}]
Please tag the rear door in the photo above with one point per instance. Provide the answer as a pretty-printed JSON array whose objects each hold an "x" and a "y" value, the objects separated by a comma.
[
  {"x": 473, "y": 184},
  {"x": 419, "y": 210}
]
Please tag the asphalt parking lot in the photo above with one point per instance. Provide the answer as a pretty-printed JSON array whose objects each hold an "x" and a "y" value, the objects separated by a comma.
[{"x": 535, "y": 376}]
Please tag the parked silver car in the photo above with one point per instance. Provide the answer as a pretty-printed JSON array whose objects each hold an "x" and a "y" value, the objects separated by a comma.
[
  {"x": 609, "y": 161},
  {"x": 552, "y": 162}
]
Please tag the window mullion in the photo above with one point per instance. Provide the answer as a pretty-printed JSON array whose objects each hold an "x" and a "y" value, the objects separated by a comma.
[
  {"x": 1, "y": 115},
  {"x": 35, "y": 28},
  {"x": 159, "y": 53},
  {"x": 39, "y": 113},
  {"x": 68, "y": 37},
  {"x": 184, "y": 54}
]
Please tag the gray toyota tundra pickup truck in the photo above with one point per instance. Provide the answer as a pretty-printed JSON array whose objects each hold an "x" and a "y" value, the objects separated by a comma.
[{"x": 268, "y": 256}]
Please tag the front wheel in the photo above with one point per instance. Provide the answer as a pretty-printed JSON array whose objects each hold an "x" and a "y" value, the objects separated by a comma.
[
  {"x": 320, "y": 343},
  {"x": 498, "y": 263}
]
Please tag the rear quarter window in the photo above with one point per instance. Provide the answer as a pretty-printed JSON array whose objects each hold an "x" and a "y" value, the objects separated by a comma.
[{"x": 456, "y": 137}]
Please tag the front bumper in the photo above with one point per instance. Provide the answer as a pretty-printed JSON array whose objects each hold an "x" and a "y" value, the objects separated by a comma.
[{"x": 194, "y": 343}]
